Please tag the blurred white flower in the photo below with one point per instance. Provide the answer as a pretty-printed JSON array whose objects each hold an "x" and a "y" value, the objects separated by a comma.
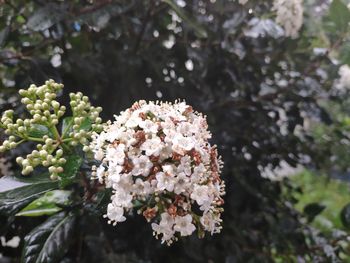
[
  {"x": 5, "y": 167},
  {"x": 183, "y": 224},
  {"x": 289, "y": 15},
  {"x": 344, "y": 81},
  {"x": 142, "y": 166},
  {"x": 115, "y": 213},
  {"x": 242, "y": 2}
]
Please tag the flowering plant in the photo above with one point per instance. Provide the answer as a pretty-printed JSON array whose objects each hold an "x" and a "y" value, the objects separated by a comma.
[{"x": 156, "y": 157}]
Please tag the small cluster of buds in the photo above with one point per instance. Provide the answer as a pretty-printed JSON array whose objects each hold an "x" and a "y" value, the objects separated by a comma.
[
  {"x": 42, "y": 127},
  {"x": 83, "y": 110},
  {"x": 156, "y": 157}
]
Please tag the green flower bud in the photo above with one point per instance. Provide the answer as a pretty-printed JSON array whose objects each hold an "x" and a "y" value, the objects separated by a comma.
[
  {"x": 86, "y": 148},
  {"x": 19, "y": 160},
  {"x": 36, "y": 117},
  {"x": 54, "y": 177},
  {"x": 55, "y": 105},
  {"x": 27, "y": 170},
  {"x": 21, "y": 129},
  {"x": 59, "y": 152},
  {"x": 52, "y": 169}
]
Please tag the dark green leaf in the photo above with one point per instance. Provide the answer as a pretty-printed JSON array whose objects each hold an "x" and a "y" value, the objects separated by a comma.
[
  {"x": 345, "y": 216},
  {"x": 99, "y": 18},
  {"x": 49, "y": 241},
  {"x": 340, "y": 15},
  {"x": 3, "y": 35},
  {"x": 68, "y": 123},
  {"x": 345, "y": 53},
  {"x": 199, "y": 30},
  {"x": 38, "y": 131},
  {"x": 46, "y": 17},
  {"x": 46, "y": 204},
  {"x": 312, "y": 210},
  {"x": 11, "y": 201},
  {"x": 71, "y": 169},
  {"x": 85, "y": 125}
]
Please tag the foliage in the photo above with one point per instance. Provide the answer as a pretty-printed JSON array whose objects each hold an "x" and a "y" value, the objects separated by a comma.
[
  {"x": 257, "y": 87},
  {"x": 332, "y": 194}
]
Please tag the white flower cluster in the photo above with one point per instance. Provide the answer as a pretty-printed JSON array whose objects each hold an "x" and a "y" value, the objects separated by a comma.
[
  {"x": 289, "y": 15},
  {"x": 242, "y": 2},
  {"x": 344, "y": 81},
  {"x": 156, "y": 158}
]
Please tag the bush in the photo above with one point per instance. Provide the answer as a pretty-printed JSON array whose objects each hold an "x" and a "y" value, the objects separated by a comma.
[{"x": 257, "y": 85}]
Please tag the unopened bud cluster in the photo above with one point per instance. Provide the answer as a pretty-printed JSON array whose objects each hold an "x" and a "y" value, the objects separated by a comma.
[
  {"x": 83, "y": 110},
  {"x": 42, "y": 127}
]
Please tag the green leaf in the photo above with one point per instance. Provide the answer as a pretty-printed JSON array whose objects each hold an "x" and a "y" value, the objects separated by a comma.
[
  {"x": 46, "y": 17},
  {"x": 49, "y": 241},
  {"x": 46, "y": 204},
  {"x": 199, "y": 30},
  {"x": 67, "y": 125},
  {"x": 3, "y": 35},
  {"x": 340, "y": 15},
  {"x": 345, "y": 216},
  {"x": 85, "y": 125},
  {"x": 13, "y": 200},
  {"x": 71, "y": 169},
  {"x": 312, "y": 210},
  {"x": 344, "y": 55},
  {"x": 38, "y": 131}
]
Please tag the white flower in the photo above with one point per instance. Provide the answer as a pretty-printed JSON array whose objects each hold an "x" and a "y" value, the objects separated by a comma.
[
  {"x": 289, "y": 15},
  {"x": 116, "y": 155},
  {"x": 185, "y": 165},
  {"x": 165, "y": 182},
  {"x": 142, "y": 187},
  {"x": 149, "y": 126},
  {"x": 198, "y": 173},
  {"x": 181, "y": 183},
  {"x": 165, "y": 227},
  {"x": 142, "y": 165},
  {"x": 242, "y": 2},
  {"x": 133, "y": 122},
  {"x": 115, "y": 213},
  {"x": 122, "y": 198},
  {"x": 5, "y": 167},
  {"x": 100, "y": 172},
  {"x": 152, "y": 146},
  {"x": 344, "y": 80},
  {"x": 186, "y": 128},
  {"x": 200, "y": 194},
  {"x": 183, "y": 224},
  {"x": 211, "y": 222},
  {"x": 99, "y": 154},
  {"x": 182, "y": 144}
]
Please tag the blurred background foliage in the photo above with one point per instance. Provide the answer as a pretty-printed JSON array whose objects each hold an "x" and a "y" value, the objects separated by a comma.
[{"x": 272, "y": 101}]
